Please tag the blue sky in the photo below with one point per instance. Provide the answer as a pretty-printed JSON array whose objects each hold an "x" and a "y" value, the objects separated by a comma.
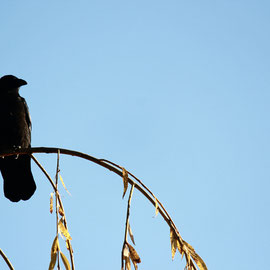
[{"x": 175, "y": 91}]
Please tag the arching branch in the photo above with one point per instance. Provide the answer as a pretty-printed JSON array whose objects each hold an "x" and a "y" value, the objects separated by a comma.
[{"x": 176, "y": 239}]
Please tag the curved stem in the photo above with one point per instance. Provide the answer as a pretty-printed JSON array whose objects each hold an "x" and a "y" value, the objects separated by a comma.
[
  {"x": 118, "y": 170},
  {"x": 6, "y": 259}
]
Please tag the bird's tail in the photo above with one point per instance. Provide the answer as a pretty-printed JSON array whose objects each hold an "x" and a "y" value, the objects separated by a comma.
[{"x": 19, "y": 183}]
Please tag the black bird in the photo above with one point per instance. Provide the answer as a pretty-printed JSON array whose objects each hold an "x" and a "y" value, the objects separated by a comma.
[{"x": 15, "y": 126}]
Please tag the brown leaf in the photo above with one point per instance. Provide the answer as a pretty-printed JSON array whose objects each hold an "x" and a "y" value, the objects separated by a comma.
[
  {"x": 125, "y": 181},
  {"x": 133, "y": 254},
  {"x": 63, "y": 229},
  {"x": 65, "y": 261},
  {"x": 51, "y": 202}
]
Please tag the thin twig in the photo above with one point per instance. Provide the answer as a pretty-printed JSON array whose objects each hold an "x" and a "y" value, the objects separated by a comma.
[
  {"x": 6, "y": 259},
  {"x": 61, "y": 205},
  {"x": 56, "y": 204},
  {"x": 126, "y": 227},
  {"x": 128, "y": 210}
]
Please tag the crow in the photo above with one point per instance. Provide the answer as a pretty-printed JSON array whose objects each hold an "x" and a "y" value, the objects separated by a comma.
[{"x": 15, "y": 132}]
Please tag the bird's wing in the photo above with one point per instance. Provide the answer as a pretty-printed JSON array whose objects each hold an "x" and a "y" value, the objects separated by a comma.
[{"x": 27, "y": 114}]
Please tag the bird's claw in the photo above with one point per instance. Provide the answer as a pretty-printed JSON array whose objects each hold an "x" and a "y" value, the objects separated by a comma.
[{"x": 16, "y": 147}]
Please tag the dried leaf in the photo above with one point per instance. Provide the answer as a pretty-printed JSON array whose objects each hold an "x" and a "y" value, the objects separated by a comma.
[
  {"x": 179, "y": 247},
  {"x": 127, "y": 265},
  {"x": 125, "y": 181},
  {"x": 156, "y": 207},
  {"x": 126, "y": 252},
  {"x": 173, "y": 242},
  {"x": 51, "y": 202},
  {"x": 62, "y": 181},
  {"x": 188, "y": 259},
  {"x": 198, "y": 260},
  {"x": 61, "y": 211},
  {"x": 63, "y": 229},
  {"x": 55, "y": 245},
  {"x": 53, "y": 261},
  {"x": 67, "y": 245},
  {"x": 130, "y": 234},
  {"x": 65, "y": 261},
  {"x": 126, "y": 255},
  {"x": 133, "y": 254},
  {"x": 54, "y": 250}
]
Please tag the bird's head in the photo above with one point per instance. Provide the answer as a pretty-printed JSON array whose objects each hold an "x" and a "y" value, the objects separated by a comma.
[{"x": 10, "y": 84}]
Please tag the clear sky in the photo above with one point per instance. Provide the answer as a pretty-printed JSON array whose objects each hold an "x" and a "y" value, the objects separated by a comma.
[{"x": 175, "y": 91}]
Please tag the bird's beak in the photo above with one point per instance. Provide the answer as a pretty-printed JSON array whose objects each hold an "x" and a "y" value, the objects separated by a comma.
[{"x": 21, "y": 82}]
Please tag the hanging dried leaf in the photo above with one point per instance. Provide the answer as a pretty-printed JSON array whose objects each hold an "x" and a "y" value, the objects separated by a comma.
[
  {"x": 125, "y": 181},
  {"x": 55, "y": 245},
  {"x": 133, "y": 254},
  {"x": 126, "y": 252},
  {"x": 54, "y": 250},
  {"x": 130, "y": 234},
  {"x": 65, "y": 261},
  {"x": 188, "y": 259},
  {"x": 126, "y": 255},
  {"x": 156, "y": 207},
  {"x": 179, "y": 247},
  {"x": 61, "y": 211},
  {"x": 67, "y": 245},
  {"x": 127, "y": 264},
  {"x": 63, "y": 229},
  {"x": 173, "y": 242},
  {"x": 62, "y": 181},
  {"x": 51, "y": 202},
  {"x": 53, "y": 261},
  {"x": 198, "y": 260}
]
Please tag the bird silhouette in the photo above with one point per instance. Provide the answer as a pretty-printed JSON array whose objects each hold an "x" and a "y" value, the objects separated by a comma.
[{"x": 15, "y": 125}]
